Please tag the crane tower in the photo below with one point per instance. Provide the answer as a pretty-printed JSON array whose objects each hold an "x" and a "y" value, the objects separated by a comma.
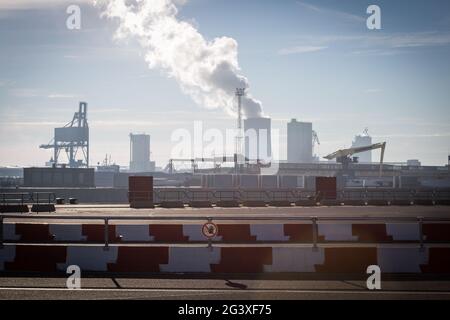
[{"x": 73, "y": 138}]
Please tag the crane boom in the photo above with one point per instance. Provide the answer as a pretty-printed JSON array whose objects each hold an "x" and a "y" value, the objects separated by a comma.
[
  {"x": 345, "y": 153},
  {"x": 351, "y": 151}
]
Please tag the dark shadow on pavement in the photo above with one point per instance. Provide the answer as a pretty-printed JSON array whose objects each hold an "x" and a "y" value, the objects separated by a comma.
[{"x": 235, "y": 285}]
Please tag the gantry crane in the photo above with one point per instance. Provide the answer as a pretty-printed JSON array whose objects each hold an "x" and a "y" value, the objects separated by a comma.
[
  {"x": 74, "y": 136},
  {"x": 194, "y": 162}
]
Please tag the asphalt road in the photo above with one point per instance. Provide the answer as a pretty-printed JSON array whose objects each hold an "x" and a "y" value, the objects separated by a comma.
[
  {"x": 217, "y": 289},
  {"x": 242, "y": 213}
]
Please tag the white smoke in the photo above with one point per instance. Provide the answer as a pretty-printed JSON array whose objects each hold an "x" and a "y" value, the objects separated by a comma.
[{"x": 208, "y": 71}]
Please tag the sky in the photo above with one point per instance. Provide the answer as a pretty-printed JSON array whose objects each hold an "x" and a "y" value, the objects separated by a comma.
[{"x": 311, "y": 60}]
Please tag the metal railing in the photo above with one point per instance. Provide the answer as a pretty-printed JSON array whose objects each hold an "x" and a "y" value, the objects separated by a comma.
[
  {"x": 245, "y": 194},
  {"x": 187, "y": 195},
  {"x": 140, "y": 195},
  {"x": 43, "y": 198},
  {"x": 14, "y": 198},
  {"x": 313, "y": 220},
  {"x": 27, "y": 198}
]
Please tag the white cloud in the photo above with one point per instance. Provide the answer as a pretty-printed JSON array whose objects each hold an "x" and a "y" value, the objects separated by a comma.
[
  {"x": 337, "y": 13},
  {"x": 300, "y": 49},
  {"x": 377, "y": 52},
  {"x": 6, "y": 83},
  {"x": 61, "y": 96},
  {"x": 25, "y": 92},
  {"x": 71, "y": 56},
  {"x": 93, "y": 124},
  {"x": 373, "y": 90},
  {"x": 383, "y": 44},
  {"x": 8, "y": 124},
  {"x": 422, "y": 39},
  {"x": 390, "y": 40},
  {"x": 36, "y": 4},
  {"x": 35, "y": 93},
  {"x": 135, "y": 123},
  {"x": 413, "y": 135}
]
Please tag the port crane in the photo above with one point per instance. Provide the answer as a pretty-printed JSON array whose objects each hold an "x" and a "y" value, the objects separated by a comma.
[
  {"x": 71, "y": 138},
  {"x": 194, "y": 162},
  {"x": 315, "y": 140},
  {"x": 344, "y": 155}
]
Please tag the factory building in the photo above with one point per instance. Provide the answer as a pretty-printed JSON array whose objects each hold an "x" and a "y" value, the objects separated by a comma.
[
  {"x": 361, "y": 141},
  {"x": 258, "y": 140},
  {"x": 299, "y": 142},
  {"x": 140, "y": 153},
  {"x": 59, "y": 177}
]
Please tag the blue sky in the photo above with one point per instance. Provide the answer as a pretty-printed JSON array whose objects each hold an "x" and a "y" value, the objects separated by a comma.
[{"x": 311, "y": 60}]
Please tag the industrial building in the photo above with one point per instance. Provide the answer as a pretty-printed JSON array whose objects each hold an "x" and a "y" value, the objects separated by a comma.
[
  {"x": 299, "y": 142},
  {"x": 59, "y": 177},
  {"x": 357, "y": 175},
  {"x": 140, "y": 153},
  {"x": 360, "y": 141},
  {"x": 109, "y": 184},
  {"x": 252, "y": 181},
  {"x": 258, "y": 139}
]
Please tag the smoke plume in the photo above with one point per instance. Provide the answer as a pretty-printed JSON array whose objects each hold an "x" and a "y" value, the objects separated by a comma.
[{"x": 208, "y": 71}]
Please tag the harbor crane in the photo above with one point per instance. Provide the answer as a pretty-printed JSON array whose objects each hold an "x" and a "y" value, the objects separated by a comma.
[
  {"x": 72, "y": 138},
  {"x": 343, "y": 155}
]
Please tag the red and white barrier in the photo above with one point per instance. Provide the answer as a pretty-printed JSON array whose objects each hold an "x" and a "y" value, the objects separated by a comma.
[
  {"x": 7, "y": 255},
  {"x": 89, "y": 258},
  {"x": 268, "y": 232},
  {"x": 67, "y": 232},
  {"x": 295, "y": 259},
  {"x": 226, "y": 259},
  {"x": 191, "y": 259},
  {"x": 134, "y": 233},
  {"x": 398, "y": 260},
  {"x": 337, "y": 232},
  {"x": 403, "y": 231},
  {"x": 228, "y": 233}
]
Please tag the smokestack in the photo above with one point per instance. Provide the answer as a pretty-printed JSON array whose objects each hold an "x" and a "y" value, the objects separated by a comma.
[{"x": 208, "y": 71}]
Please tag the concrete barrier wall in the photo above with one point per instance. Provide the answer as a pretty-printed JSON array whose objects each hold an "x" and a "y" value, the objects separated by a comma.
[
  {"x": 227, "y": 233},
  {"x": 259, "y": 259}
]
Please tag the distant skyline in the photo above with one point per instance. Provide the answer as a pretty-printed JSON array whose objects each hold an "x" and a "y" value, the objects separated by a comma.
[{"x": 310, "y": 60}]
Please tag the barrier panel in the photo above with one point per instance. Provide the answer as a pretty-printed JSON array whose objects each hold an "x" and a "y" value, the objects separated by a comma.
[
  {"x": 419, "y": 230},
  {"x": 315, "y": 244}
]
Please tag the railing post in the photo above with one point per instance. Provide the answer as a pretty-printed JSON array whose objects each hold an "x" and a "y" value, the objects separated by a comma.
[
  {"x": 210, "y": 247},
  {"x": 21, "y": 202},
  {"x": 314, "y": 232},
  {"x": 421, "y": 232},
  {"x": 1, "y": 232},
  {"x": 106, "y": 235}
]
